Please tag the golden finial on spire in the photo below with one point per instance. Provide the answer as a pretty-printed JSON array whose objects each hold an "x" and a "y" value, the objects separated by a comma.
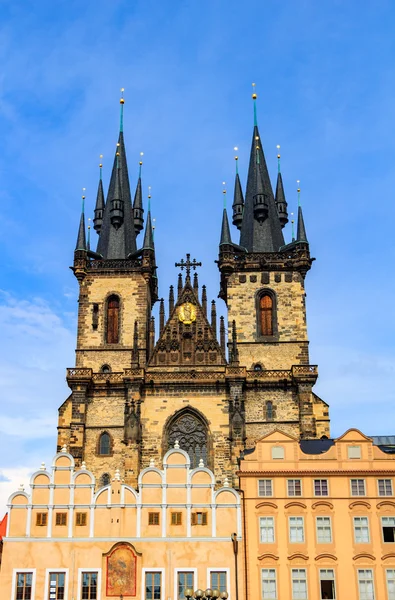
[
  {"x": 101, "y": 156},
  {"x": 236, "y": 149},
  {"x": 83, "y": 193},
  {"x": 298, "y": 182},
  {"x": 254, "y": 94},
  {"x": 141, "y": 159},
  {"x": 278, "y": 150},
  {"x": 122, "y": 100}
]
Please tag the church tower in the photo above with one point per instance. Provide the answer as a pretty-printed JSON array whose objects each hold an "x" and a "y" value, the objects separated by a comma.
[
  {"x": 137, "y": 389},
  {"x": 263, "y": 286}
]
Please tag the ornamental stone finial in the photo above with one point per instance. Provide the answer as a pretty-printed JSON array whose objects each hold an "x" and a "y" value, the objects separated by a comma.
[
  {"x": 176, "y": 445},
  {"x": 83, "y": 465},
  {"x": 117, "y": 475},
  {"x": 152, "y": 462},
  {"x": 42, "y": 468},
  {"x": 226, "y": 482},
  {"x": 64, "y": 448},
  {"x": 201, "y": 463},
  {"x": 21, "y": 488}
]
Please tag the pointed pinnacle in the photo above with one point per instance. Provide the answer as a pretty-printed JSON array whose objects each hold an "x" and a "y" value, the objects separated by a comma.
[
  {"x": 301, "y": 233},
  {"x": 148, "y": 236},
  {"x": 225, "y": 230}
]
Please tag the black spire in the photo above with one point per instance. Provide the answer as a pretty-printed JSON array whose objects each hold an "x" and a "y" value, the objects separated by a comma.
[
  {"x": 301, "y": 233},
  {"x": 138, "y": 210},
  {"x": 100, "y": 206},
  {"x": 238, "y": 201},
  {"x": 81, "y": 238},
  {"x": 281, "y": 202},
  {"x": 118, "y": 242},
  {"x": 149, "y": 234},
  {"x": 259, "y": 235},
  {"x": 225, "y": 229}
]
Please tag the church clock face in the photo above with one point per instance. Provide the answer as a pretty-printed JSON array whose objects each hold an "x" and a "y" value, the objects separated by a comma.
[{"x": 187, "y": 313}]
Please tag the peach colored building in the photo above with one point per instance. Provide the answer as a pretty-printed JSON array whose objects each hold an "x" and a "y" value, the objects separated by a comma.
[
  {"x": 66, "y": 541},
  {"x": 319, "y": 518}
]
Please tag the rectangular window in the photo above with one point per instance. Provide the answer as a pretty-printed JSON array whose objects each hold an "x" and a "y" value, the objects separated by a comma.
[
  {"x": 80, "y": 519},
  {"x": 41, "y": 519},
  {"x": 354, "y": 451},
  {"x": 277, "y": 452},
  {"x": 265, "y": 487},
  {"x": 185, "y": 581},
  {"x": 361, "y": 530},
  {"x": 294, "y": 487},
  {"x": 324, "y": 530},
  {"x": 390, "y": 578},
  {"x": 153, "y": 518},
  {"x": 176, "y": 518},
  {"x": 61, "y": 518},
  {"x": 385, "y": 487},
  {"x": 266, "y": 530},
  {"x": 269, "y": 584},
  {"x": 24, "y": 586},
  {"x": 218, "y": 581},
  {"x": 56, "y": 586},
  {"x": 89, "y": 586},
  {"x": 299, "y": 584},
  {"x": 327, "y": 584},
  {"x": 153, "y": 583},
  {"x": 321, "y": 487},
  {"x": 296, "y": 530},
  {"x": 358, "y": 487},
  {"x": 365, "y": 584},
  {"x": 388, "y": 527},
  {"x": 199, "y": 518}
]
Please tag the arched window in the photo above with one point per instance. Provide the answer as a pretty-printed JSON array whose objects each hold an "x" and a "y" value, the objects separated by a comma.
[
  {"x": 105, "y": 444},
  {"x": 112, "y": 333},
  {"x": 105, "y": 369},
  {"x": 105, "y": 479},
  {"x": 269, "y": 410},
  {"x": 266, "y": 314},
  {"x": 257, "y": 367},
  {"x": 191, "y": 433}
]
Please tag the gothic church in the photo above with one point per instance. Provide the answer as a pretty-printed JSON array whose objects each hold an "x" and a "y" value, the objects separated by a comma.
[{"x": 134, "y": 392}]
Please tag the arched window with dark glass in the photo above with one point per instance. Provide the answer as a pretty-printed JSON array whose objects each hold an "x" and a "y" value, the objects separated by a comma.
[
  {"x": 190, "y": 431},
  {"x": 269, "y": 410},
  {"x": 104, "y": 444},
  {"x": 112, "y": 323},
  {"x": 105, "y": 479},
  {"x": 266, "y": 314}
]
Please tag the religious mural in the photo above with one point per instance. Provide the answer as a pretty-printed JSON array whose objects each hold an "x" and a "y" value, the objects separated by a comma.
[{"x": 121, "y": 571}]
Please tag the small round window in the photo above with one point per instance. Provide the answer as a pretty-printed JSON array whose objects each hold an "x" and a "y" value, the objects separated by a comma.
[
  {"x": 105, "y": 369},
  {"x": 257, "y": 367}
]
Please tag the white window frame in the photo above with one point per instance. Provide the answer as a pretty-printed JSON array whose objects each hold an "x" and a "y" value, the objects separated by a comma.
[
  {"x": 327, "y": 485},
  {"x": 160, "y": 570},
  {"x": 378, "y": 488},
  {"x": 357, "y": 450},
  {"x": 301, "y": 487},
  {"x": 381, "y": 523},
  {"x": 281, "y": 450},
  {"x": 274, "y": 533},
  {"x": 367, "y": 520},
  {"x": 334, "y": 579},
  {"x": 358, "y": 580},
  {"x": 15, "y": 572},
  {"x": 86, "y": 570},
  {"x": 386, "y": 582},
  {"x": 269, "y": 568},
  {"x": 214, "y": 570},
  {"x": 306, "y": 579},
  {"x": 266, "y": 495},
  {"x": 184, "y": 570},
  {"x": 330, "y": 528},
  {"x": 364, "y": 487},
  {"x": 66, "y": 581},
  {"x": 289, "y": 529}
]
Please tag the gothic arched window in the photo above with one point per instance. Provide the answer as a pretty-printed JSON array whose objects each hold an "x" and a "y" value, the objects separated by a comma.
[
  {"x": 105, "y": 479},
  {"x": 269, "y": 410},
  {"x": 104, "y": 444},
  {"x": 266, "y": 314},
  {"x": 112, "y": 323},
  {"x": 191, "y": 433}
]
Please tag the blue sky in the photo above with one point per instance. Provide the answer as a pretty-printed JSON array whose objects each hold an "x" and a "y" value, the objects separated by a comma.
[{"x": 325, "y": 75}]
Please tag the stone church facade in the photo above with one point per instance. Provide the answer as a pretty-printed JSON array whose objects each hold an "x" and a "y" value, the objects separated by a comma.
[{"x": 138, "y": 388}]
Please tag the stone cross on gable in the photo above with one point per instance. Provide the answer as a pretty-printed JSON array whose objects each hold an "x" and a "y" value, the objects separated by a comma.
[{"x": 188, "y": 264}]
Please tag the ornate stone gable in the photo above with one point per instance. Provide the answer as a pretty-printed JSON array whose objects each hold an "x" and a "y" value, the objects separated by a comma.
[{"x": 187, "y": 338}]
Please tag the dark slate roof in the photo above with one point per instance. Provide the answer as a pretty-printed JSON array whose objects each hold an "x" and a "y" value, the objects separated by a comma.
[
  {"x": 254, "y": 236},
  {"x": 225, "y": 229},
  {"x": 301, "y": 233},
  {"x": 238, "y": 193},
  {"x": 81, "y": 239},
  {"x": 383, "y": 440},
  {"x": 316, "y": 446},
  {"x": 118, "y": 243},
  {"x": 280, "y": 194},
  {"x": 148, "y": 236},
  {"x": 138, "y": 196},
  {"x": 100, "y": 204}
]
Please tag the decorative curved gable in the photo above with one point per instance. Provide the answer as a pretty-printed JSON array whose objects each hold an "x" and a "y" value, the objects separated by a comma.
[
  {"x": 268, "y": 555},
  {"x": 322, "y": 503},
  {"x": 384, "y": 503},
  {"x": 359, "y": 503},
  {"x": 270, "y": 504},
  {"x": 298, "y": 555},
  {"x": 298, "y": 504},
  {"x": 326, "y": 556},
  {"x": 364, "y": 555}
]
